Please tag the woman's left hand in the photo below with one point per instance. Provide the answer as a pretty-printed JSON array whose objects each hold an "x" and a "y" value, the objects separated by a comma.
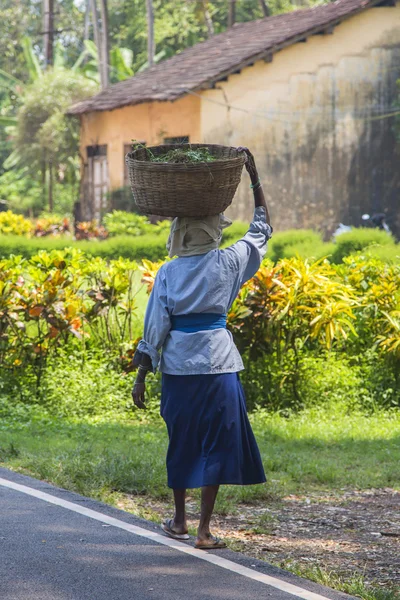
[
  {"x": 250, "y": 163},
  {"x": 138, "y": 394}
]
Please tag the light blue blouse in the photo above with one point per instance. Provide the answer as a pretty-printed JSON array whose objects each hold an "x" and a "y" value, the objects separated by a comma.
[{"x": 206, "y": 283}]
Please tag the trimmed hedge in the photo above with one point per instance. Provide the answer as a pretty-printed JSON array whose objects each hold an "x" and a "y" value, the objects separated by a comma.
[
  {"x": 359, "y": 239},
  {"x": 301, "y": 242},
  {"x": 389, "y": 253},
  {"x": 150, "y": 246},
  {"x": 286, "y": 243}
]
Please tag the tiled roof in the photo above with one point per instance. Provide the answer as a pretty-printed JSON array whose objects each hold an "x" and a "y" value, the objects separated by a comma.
[{"x": 205, "y": 63}]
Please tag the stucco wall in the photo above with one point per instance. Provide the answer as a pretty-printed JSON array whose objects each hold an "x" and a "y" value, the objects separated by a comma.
[
  {"x": 322, "y": 156},
  {"x": 149, "y": 123}
]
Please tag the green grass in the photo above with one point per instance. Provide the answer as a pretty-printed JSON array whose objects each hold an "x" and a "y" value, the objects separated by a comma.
[
  {"x": 310, "y": 451},
  {"x": 354, "y": 586}
]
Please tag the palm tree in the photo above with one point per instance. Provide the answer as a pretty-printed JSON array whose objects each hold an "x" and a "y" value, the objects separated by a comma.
[
  {"x": 150, "y": 33},
  {"x": 231, "y": 13},
  {"x": 207, "y": 18},
  {"x": 104, "y": 50},
  {"x": 265, "y": 8}
]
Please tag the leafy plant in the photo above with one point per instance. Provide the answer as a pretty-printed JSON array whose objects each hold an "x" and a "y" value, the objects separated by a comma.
[{"x": 11, "y": 223}]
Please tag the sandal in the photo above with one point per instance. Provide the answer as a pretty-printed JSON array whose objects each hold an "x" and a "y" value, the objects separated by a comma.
[
  {"x": 167, "y": 529},
  {"x": 216, "y": 543}
]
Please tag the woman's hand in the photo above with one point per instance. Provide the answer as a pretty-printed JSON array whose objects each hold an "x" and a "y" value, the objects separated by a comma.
[
  {"x": 138, "y": 391},
  {"x": 250, "y": 164}
]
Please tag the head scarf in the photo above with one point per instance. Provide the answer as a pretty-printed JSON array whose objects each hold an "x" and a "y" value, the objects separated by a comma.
[{"x": 190, "y": 235}]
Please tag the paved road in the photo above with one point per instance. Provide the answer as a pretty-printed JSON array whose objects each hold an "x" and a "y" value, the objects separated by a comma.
[{"x": 56, "y": 545}]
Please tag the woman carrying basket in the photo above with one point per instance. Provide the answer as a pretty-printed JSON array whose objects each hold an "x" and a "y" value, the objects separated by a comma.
[{"x": 202, "y": 401}]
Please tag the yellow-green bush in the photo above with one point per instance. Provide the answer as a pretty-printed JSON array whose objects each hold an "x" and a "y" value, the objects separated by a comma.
[{"x": 12, "y": 224}]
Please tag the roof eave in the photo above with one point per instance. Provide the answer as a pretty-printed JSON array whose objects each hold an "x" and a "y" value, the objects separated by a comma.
[{"x": 265, "y": 55}]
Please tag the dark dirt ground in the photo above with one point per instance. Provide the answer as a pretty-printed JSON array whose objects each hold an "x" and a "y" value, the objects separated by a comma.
[{"x": 345, "y": 533}]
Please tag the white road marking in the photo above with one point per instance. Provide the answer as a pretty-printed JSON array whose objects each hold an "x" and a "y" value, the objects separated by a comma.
[{"x": 278, "y": 584}]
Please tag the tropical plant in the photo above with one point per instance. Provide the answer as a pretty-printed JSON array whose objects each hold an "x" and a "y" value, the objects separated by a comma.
[
  {"x": 53, "y": 137},
  {"x": 51, "y": 224},
  {"x": 62, "y": 296},
  {"x": 13, "y": 224},
  {"x": 119, "y": 222}
]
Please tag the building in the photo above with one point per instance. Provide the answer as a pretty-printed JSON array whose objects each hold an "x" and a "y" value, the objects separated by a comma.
[{"x": 309, "y": 92}]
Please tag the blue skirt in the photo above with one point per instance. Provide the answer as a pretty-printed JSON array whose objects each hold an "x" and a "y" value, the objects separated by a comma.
[{"x": 210, "y": 438}]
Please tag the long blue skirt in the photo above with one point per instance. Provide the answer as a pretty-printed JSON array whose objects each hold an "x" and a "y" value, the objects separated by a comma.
[{"x": 210, "y": 438}]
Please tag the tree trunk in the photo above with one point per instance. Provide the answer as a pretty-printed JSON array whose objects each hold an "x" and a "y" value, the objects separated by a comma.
[
  {"x": 50, "y": 188},
  {"x": 48, "y": 28},
  {"x": 87, "y": 21},
  {"x": 105, "y": 48},
  {"x": 150, "y": 32},
  {"x": 231, "y": 13},
  {"x": 97, "y": 38},
  {"x": 265, "y": 8},
  {"x": 207, "y": 18}
]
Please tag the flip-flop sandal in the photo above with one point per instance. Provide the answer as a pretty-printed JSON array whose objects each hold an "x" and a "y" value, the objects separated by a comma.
[
  {"x": 166, "y": 527},
  {"x": 217, "y": 543}
]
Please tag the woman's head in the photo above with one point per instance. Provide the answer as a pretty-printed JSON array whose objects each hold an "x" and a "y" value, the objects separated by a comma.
[{"x": 190, "y": 236}]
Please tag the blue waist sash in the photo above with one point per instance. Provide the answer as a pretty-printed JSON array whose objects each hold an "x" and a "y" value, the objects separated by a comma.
[{"x": 198, "y": 322}]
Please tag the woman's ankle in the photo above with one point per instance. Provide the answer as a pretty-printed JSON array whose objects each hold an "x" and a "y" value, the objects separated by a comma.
[
  {"x": 179, "y": 525},
  {"x": 203, "y": 534}
]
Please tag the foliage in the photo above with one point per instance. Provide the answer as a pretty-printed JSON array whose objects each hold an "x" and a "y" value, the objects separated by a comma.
[
  {"x": 284, "y": 244},
  {"x": 305, "y": 243},
  {"x": 389, "y": 253},
  {"x": 90, "y": 230},
  {"x": 11, "y": 223},
  {"x": 119, "y": 222},
  {"x": 135, "y": 248},
  {"x": 42, "y": 122},
  {"x": 62, "y": 298},
  {"x": 359, "y": 239},
  {"x": 20, "y": 191},
  {"x": 182, "y": 155},
  {"x": 51, "y": 224},
  {"x": 296, "y": 311},
  {"x": 292, "y": 321}
]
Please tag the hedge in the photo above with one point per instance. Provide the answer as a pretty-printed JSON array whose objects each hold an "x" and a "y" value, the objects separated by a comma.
[
  {"x": 359, "y": 239},
  {"x": 286, "y": 243},
  {"x": 301, "y": 242},
  {"x": 148, "y": 246}
]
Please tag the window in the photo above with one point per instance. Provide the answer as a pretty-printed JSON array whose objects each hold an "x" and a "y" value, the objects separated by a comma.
[
  {"x": 183, "y": 139},
  {"x": 97, "y": 180},
  {"x": 97, "y": 150}
]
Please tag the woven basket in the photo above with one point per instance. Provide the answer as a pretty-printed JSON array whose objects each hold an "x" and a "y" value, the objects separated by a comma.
[{"x": 185, "y": 190}]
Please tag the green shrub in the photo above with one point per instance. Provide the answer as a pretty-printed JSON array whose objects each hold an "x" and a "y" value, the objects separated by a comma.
[
  {"x": 234, "y": 233},
  {"x": 282, "y": 243},
  {"x": 309, "y": 250},
  {"x": 119, "y": 222},
  {"x": 150, "y": 246},
  {"x": 359, "y": 239},
  {"x": 390, "y": 253},
  {"x": 12, "y": 224}
]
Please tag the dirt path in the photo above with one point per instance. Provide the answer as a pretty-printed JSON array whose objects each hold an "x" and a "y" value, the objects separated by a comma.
[{"x": 346, "y": 533}]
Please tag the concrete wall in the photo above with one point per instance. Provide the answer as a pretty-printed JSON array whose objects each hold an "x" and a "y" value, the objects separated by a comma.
[
  {"x": 149, "y": 123},
  {"x": 310, "y": 121}
]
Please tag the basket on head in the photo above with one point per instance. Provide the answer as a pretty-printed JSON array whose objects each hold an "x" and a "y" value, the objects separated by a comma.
[{"x": 184, "y": 189}]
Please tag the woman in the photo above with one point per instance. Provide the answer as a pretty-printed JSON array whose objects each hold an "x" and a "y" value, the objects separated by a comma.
[{"x": 202, "y": 401}]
